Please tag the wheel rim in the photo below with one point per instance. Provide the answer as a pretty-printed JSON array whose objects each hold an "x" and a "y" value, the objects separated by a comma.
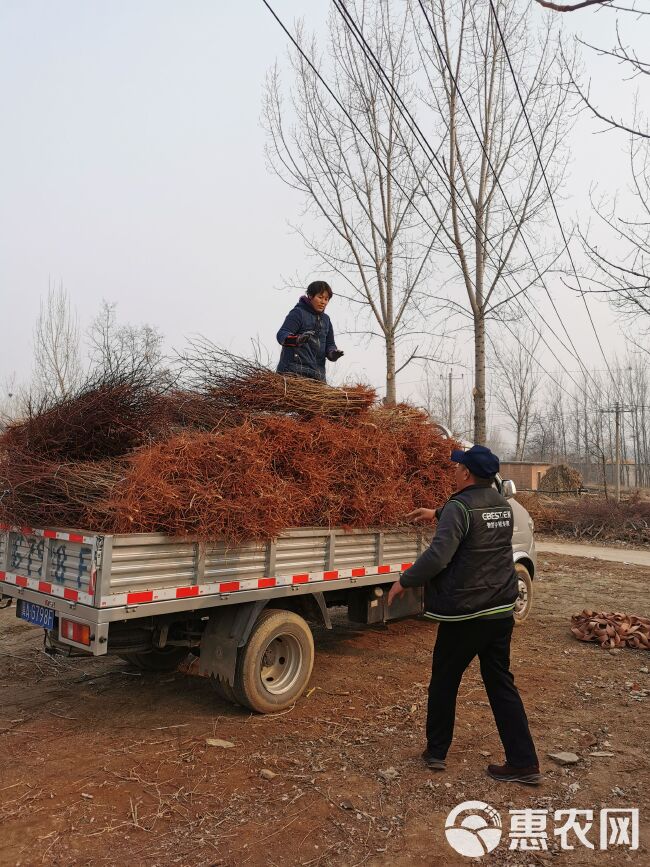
[
  {"x": 281, "y": 664},
  {"x": 522, "y": 600}
]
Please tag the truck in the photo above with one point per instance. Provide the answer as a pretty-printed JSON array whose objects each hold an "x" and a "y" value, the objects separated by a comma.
[{"x": 244, "y": 610}]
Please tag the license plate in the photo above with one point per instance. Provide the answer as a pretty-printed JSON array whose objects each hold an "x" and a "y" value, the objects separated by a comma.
[{"x": 39, "y": 615}]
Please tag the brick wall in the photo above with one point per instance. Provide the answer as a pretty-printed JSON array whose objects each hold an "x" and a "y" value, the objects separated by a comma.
[{"x": 525, "y": 476}]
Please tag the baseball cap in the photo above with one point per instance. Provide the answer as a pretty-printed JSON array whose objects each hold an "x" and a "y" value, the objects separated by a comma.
[{"x": 479, "y": 460}]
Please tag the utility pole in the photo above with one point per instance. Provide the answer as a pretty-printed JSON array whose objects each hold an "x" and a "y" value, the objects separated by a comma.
[
  {"x": 617, "y": 437},
  {"x": 617, "y": 410},
  {"x": 450, "y": 411}
]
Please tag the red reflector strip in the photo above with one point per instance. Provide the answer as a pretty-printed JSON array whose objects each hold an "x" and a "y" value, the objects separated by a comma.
[
  {"x": 184, "y": 592},
  {"x": 79, "y": 632},
  {"x": 228, "y": 586},
  {"x": 265, "y": 582},
  {"x": 74, "y": 537},
  {"x": 26, "y": 531},
  {"x": 382, "y": 570},
  {"x": 406, "y": 566},
  {"x": 3, "y": 575},
  {"x": 299, "y": 579},
  {"x": 20, "y": 581},
  {"x": 70, "y": 594},
  {"x": 358, "y": 573},
  {"x": 142, "y": 596},
  {"x": 44, "y": 586},
  {"x": 49, "y": 534},
  {"x": 330, "y": 576}
]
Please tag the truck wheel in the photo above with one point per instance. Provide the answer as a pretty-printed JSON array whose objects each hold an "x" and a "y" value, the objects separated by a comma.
[
  {"x": 223, "y": 689},
  {"x": 275, "y": 665},
  {"x": 525, "y": 599},
  {"x": 165, "y": 659}
]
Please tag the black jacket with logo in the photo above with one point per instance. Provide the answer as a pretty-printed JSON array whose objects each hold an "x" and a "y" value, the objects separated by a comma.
[{"x": 468, "y": 571}]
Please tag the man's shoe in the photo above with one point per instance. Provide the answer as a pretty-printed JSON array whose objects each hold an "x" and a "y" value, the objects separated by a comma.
[
  {"x": 507, "y": 774},
  {"x": 432, "y": 762}
]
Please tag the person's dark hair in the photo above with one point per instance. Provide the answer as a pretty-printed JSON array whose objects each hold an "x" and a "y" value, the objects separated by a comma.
[
  {"x": 483, "y": 483},
  {"x": 317, "y": 287}
]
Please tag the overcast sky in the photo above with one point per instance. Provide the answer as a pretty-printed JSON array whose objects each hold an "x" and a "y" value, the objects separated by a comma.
[{"x": 132, "y": 169}]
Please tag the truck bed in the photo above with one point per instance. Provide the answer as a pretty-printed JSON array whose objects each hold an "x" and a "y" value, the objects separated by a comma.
[{"x": 116, "y": 573}]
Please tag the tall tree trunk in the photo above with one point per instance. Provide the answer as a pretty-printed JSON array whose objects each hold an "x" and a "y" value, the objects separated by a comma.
[
  {"x": 480, "y": 432},
  {"x": 391, "y": 392}
]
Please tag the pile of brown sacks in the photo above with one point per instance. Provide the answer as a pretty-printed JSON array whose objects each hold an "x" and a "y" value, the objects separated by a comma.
[{"x": 612, "y": 630}]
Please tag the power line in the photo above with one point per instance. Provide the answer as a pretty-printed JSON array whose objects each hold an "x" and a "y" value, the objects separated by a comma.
[
  {"x": 496, "y": 177},
  {"x": 411, "y": 122},
  {"x": 548, "y": 186},
  {"x": 424, "y": 219},
  {"x": 537, "y": 362},
  {"x": 305, "y": 57}
]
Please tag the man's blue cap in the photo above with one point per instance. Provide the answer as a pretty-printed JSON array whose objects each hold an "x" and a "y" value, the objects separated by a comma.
[{"x": 479, "y": 460}]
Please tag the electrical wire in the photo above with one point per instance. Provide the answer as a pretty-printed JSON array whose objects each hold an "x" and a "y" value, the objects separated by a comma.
[
  {"x": 498, "y": 182},
  {"x": 424, "y": 143},
  {"x": 424, "y": 219},
  {"x": 548, "y": 186}
]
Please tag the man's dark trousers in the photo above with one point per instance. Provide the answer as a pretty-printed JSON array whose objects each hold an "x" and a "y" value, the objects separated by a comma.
[{"x": 456, "y": 646}]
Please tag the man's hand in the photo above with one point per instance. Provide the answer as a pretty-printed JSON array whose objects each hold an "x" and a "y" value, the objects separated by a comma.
[
  {"x": 421, "y": 515},
  {"x": 335, "y": 354},
  {"x": 395, "y": 590}
]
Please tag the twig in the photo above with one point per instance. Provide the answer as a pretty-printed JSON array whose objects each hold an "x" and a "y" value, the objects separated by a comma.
[{"x": 60, "y": 716}]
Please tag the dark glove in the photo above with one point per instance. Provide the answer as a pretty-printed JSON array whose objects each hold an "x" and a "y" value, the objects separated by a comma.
[
  {"x": 335, "y": 354},
  {"x": 298, "y": 339},
  {"x": 305, "y": 337}
]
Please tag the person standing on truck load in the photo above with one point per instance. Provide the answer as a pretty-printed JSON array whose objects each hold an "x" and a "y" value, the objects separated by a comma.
[
  {"x": 307, "y": 336},
  {"x": 470, "y": 588}
]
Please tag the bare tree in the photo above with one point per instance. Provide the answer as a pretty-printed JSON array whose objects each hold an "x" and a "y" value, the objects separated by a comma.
[
  {"x": 114, "y": 347},
  {"x": 10, "y": 400},
  {"x": 572, "y": 7},
  {"x": 621, "y": 53},
  {"x": 516, "y": 381},
  {"x": 498, "y": 194},
  {"x": 435, "y": 396},
  {"x": 57, "y": 365},
  {"x": 625, "y": 278},
  {"x": 359, "y": 170}
]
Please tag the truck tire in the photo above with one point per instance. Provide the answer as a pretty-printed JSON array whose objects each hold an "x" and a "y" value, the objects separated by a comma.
[
  {"x": 223, "y": 689},
  {"x": 525, "y": 599},
  {"x": 274, "y": 667},
  {"x": 165, "y": 659}
]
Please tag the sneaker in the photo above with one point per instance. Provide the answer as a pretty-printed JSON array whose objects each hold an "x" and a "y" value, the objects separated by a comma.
[
  {"x": 507, "y": 774},
  {"x": 432, "y": 762}
]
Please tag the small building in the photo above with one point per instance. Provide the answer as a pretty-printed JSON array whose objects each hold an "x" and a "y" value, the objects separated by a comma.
[{"x": 525, "y": 474}]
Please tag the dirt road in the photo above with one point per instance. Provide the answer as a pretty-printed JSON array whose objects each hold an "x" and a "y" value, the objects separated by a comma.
[
  {"x": 596, "y": 552},
  {"x": 102, "y": 765}
]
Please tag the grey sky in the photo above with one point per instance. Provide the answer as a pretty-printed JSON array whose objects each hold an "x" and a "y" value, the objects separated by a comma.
[{"x": 132, "y": 169}]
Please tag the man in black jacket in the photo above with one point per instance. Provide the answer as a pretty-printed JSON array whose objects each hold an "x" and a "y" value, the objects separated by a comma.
[{"x": 471, "y": 588}]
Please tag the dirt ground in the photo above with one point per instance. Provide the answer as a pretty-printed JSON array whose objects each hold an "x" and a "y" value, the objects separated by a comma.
[{"x": 103, "y": 765}]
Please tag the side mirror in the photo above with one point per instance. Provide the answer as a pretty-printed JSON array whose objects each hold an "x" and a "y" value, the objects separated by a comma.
[{"x": 508, "y": 488}]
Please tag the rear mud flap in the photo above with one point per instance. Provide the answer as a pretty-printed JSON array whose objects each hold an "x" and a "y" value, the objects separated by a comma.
[{"x": 227, "y": 630}]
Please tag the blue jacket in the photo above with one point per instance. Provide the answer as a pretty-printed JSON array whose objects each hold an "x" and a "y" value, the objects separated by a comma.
[{"x": 308, "y": 359}]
